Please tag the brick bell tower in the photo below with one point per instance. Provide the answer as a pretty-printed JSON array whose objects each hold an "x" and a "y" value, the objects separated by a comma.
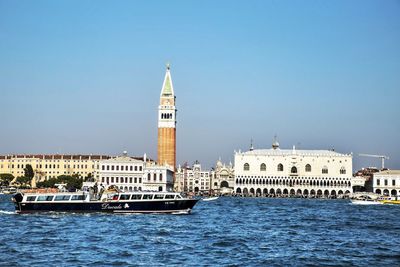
[{"x": 167, "y": 123}]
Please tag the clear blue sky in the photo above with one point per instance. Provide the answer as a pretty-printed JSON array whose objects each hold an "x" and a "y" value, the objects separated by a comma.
[{"x": 85, "y": 76}]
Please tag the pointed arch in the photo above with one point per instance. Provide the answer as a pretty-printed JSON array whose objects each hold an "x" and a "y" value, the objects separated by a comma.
[
  {"x": 263, "y": 167},
  {"x": 308, "y": 168},
  {"x": 246, "y": 167},
  {"x": 280, "y": 167},
  {"x": 293, "y": 170}
]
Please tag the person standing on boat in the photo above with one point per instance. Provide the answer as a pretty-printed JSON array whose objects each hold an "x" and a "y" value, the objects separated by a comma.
[
  {"x": 95, "y": 190},
  {"x": 101, "y": 190}
]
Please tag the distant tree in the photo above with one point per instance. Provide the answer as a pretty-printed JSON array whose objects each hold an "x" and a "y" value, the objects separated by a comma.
[
  {"x": 47, "y": 183},
  {"x": 29, "y": 171},
  {"x": 6, "y": 178},
  {"x": 89, "y": 177},
  {"x": 23, "y": 181},
  {"x": 73, "y": 182}
]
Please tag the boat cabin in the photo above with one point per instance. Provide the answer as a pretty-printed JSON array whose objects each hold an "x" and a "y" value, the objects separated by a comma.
[{"x": 105, "y": 197}]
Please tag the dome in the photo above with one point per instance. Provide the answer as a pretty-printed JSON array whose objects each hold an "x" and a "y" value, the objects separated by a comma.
[
  {"x": 219, "y": 163},
  {"x": 275, "y": 144}
]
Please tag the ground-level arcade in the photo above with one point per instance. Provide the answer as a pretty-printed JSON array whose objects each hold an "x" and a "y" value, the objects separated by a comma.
[{"x": 293, "y": 186}]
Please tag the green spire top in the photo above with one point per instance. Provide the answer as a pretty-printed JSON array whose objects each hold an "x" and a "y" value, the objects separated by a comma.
[{"x": 167, "y": 89}]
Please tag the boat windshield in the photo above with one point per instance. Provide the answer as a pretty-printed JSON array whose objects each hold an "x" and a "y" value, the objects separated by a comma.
[
  {"x": 62, "y": 198},
  {"x": 147, "y": 196},
  {"x": 136, "y": 197},
  {"x": 78, "y": 197},
  {"x": 30, "y": 198},
  {"x": 45, "y": 198},
  {"x": 124, "y": 197}
]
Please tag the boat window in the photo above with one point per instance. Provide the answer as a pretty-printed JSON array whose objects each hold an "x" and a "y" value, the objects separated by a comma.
[
  {"x": 62, "y": 198},
  {"x": 147, "y": 196},
  {"x": 124, "y": 197},
  {"x": 78, "y": 197},
  {"x": 169, "y": 196},
  {"x": 31, "y": 198},
  {"x": 178, "y": 196},
  {"x": 45, "y": 198},
  {"x": 136, "y": 197},
  {"x": 159, "y": 197}
]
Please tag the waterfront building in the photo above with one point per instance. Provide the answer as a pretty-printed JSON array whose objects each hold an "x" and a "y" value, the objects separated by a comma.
[
  {"x": 278, "y": 171},
  {"x": 52, "y": 166},
  {"x": 367, "y": 175},
  {"x": 387, "y": 182},
  {"x": 192, "y": 179},
  {"x": 123, "y": 171},
  {"x": 181, "y": 181},
  {"x": 135, "y": 174},
  {"x": 158, "y": 178},
  {"x": 223, "y": 178},
  {"x": 167, "y": 123}
]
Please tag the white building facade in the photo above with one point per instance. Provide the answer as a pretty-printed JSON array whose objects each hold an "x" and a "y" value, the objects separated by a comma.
[
  {"x": 131, "y": 174},
  {"x": 387, "y": 182},
  {"x": 158, "y": 178},
  {"x": 276, "y": 171},
  {"x": 192, "y": 179},
  {"x": 223, "y": 178}
]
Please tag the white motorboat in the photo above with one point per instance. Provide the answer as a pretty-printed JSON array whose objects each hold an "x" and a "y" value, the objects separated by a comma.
[{"x": 365, "y": 200}]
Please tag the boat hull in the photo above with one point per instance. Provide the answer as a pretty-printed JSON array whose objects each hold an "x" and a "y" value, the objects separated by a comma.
[
  {"x": 170, "y": 206},
  {"x": 365, "y": 202}
]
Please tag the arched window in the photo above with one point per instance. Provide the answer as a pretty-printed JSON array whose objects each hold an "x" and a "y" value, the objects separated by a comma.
[
  {"x": 263, "y": 167},
  {"x": 308, "y": 168},
  {"x": 325, "y": 170},
  {"x": 155, "y": 177},
  {"x": 343, "y": 170},
  {"x": 293, "y": 170},
  {"x": 148, "y": 177},
  {"x": 224, "y": 184},
  {"x": 246, "y": 167},
  {"x": 280, "y": 167},
  {"x": 160, "y": 177}
]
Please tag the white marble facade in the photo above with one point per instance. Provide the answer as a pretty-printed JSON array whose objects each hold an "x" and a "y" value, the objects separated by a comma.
[{"x": 278, "y": 171}]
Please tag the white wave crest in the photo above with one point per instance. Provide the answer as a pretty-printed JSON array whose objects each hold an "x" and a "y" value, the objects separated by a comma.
[{"x": 7, "y": 212}]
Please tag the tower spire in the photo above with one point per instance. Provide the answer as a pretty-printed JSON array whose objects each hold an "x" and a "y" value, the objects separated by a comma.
[{"x": 167, "y": 88}]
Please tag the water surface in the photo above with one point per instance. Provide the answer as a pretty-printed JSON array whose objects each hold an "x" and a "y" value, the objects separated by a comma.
[{"x": 228, "y": 231}]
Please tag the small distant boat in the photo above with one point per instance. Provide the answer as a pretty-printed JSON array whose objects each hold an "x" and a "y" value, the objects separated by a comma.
[
  {"x": 9, "y": 190},
  {"x": 368, "y": 200},
  {"x": 365, "y": 200},
  {"x": 390, "y": 200},
  {"x": 210, "y": 198}
]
